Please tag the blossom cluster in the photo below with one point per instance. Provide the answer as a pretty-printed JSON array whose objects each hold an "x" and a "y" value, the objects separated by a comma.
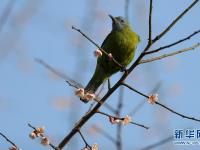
[
  {"x": 14, "y": 148},
  {"x": 153, "y": 98},
  {"x": 93, "y": 147},
  {"x": 124, "y": 121},
  {"x": 39, "y": 132},
  {"x": 84, "y": 95}
]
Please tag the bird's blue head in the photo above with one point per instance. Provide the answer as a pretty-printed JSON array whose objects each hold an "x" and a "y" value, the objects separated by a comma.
[{"x": 119, "y": 23}]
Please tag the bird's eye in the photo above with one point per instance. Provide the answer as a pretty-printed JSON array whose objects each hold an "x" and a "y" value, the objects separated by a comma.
[{"x": 122, "y": 20}]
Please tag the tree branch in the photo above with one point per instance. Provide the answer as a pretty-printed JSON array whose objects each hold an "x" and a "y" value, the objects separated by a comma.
[
  {"x": 172, "y": 44},
  {"x": 84, "y": 140},
  {"x": 140, "y": 105},
  {"x": 119, "y": 118},
  {"x": 70, "y": 81},
  {"x": 169, "y": 54},
  {"x": 179, "y": 114},
  {"x": 9, "y": 141},
  {"x": 169, "y": 109},
  {"x": 133, "y": 89},
  {"x": 113, "y": 59},
  {"x": 150, "y": 22},
  {"x": 175, "y": 21},
  {"x": 41, "y": 135}
]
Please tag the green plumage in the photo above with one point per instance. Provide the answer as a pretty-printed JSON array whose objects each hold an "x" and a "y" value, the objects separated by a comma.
[{"x": 121, "y": 42}]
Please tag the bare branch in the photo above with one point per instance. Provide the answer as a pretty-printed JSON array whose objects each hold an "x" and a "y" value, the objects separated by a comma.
[
  {"x": 150, "y": 22},
  {"x": 119, "y": 118},
  {"x": 179, "y": 114},
  {"x": 70, "y": 81},
  {"x": 175, "y": 21},
  {"x": 169, "y": 109},
  {"x": 9, "y": 141},
  {"x": 42, "y": 135},
  {"x": 141, "y": 104},
  {"x": 84, "y": 140},
  {"x": 175, "y": 43},
  {"x": 169, "y": 54},
  {"x": 133, "y": 89},
  {"x": 113, "y": 59}
]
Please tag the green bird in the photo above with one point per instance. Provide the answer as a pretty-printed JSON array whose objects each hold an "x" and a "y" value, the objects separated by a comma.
[{"x": 121, "y": 42}]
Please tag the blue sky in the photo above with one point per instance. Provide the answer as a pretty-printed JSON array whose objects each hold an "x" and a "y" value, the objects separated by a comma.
[{"x": 32, "y": 94}]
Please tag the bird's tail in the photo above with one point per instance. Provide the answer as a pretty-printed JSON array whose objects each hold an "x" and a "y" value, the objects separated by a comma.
[{"x": 97, "y": 79}]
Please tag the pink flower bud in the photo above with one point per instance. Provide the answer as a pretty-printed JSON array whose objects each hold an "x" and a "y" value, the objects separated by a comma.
[
  {"x": 45, "y": 141},
  {"x": 80, "y": 92},
  {"x": 89, "y": 96},
  {"x": 126, "y": 120},
  {"x": 13, "y": 148},
  {"x": 114, "y": 120},
  {"x": 153, "y": 98},
  {"x": 95, "y": 146},
  {"x": 110, "y": 56},
  {"x": 32, "y": 135},
  {"x": 97, "y": 53},
  {"x": 40, "y": 130}
]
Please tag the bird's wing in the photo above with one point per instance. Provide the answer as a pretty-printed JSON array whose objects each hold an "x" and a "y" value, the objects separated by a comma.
[
  {"x": 106, "y": 47},
  {"x": 105, "y": 44}
]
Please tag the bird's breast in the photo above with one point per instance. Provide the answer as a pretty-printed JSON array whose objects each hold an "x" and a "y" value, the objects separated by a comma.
[{"x": 124, "y": 45}]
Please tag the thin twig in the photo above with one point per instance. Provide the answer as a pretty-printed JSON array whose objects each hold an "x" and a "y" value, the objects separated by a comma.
[
  {"x": 140, "y": 125},
  {"x": 7, "y": 139},
  {"x": 70, "y": 81},
  {"x": 169, "y": 109},
  {"x": 141, "y": 104},
  {"x": 169, "y": 54},
  {"x": 175, "y": 43},
  {"x": 50, "y": 144},
  {"x": 119, "y": 118},
  {"x": 113, "y": 59},
  {"x": 174, "y": 21},
  {"x": 133, "y": 89},
  {"x": 179, "y": 114},
  {"x": 150, "y": 22},
  {"x": 84, "y": 140}
]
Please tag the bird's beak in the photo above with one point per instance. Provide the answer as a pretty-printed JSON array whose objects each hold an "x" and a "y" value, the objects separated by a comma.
[{"x": 113, "y": 18}]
